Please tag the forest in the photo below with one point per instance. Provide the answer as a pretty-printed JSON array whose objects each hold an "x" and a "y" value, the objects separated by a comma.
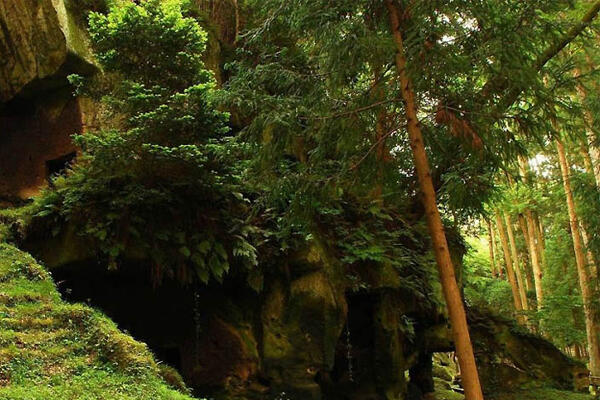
[{"x": 299, "y": 199}]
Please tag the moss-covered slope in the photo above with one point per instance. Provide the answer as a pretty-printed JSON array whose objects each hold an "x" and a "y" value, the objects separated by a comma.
[{"x": 53, "y": 350}]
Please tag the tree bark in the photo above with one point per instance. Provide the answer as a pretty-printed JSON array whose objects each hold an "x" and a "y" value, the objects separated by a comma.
[
  {"x": 236, "y": 8},
  {"x": 452, "y": 295},
  {"x": 591, "y": 258},
  {"x": 515, "y": 256},
  {"x": 593, "y": 150},
  {"x": 381, "y": 151},
  {"x": 541, "y": 239},
  {"x": 510, "y": 273},
  {"x": 591, "y": 327},
  {"x": 528, "y": 274},
  {"x": 491, "y": 246},
  {"x": 497, "y": 251},
  {"x": 535, "y": 263},
  {"x": 528, "y": 226}
]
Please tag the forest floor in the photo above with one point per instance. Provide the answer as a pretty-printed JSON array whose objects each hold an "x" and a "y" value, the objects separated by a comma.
[
  {"x": 533, "y": 394},
  {"x": 542, "y": 394},
  {"x": 443, "y": 393}
]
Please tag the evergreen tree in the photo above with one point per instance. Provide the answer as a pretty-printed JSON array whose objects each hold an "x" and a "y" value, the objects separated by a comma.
[{"x": 163, "y": 166}]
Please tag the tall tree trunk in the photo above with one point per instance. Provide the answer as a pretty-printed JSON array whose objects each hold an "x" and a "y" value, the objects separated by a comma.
[
  {"x": 527, "y": 225},
  {"x": 515, "y": 256},
  {"x": 236, "y": 10},
  {"x": 587, "y": 161},
  {"x": 592, "y": 259},
  {"x": 535, "y": 263},
  {"x": 491, "y": 246},
  {"x": 379, "y": 141},
  {"x": 527, "y": 259},
  {"x": 497, "y": 251},
  {"x": 594, "y": 151},
  {"x": 584, "y": 281},
  {"x": 510, "y": 273},
  {"x": 541, "y": 240},
  {"x": 456, "y": 310}
]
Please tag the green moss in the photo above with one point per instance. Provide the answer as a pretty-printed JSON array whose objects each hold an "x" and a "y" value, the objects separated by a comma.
[
  {"x": 443, "y": 392},
  {"x": 13, "y": 221},
  {"x": 53, "y": 350},
  {"x": 541, "y": 394}
]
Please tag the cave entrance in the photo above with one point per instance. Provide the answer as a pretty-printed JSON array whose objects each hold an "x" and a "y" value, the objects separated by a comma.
[
  {"x": 354, "y": 355},
  {"x": 58, "y": 166},
  {"x": 170, "y": 355},
  {"x": 190, "y": 328},
  {"x": 162, "y": 317}
]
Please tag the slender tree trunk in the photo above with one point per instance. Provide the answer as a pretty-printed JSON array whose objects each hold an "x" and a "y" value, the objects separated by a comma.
[
  {"x": 236, "y": 9},
  {"x": 456, "y": 311},
  {"x": 541, "y": 240},
  {"x": 381, "y": 151},
  {"x": 535, "y": 263},
  {"x": 578, "y": 354},
  {"x": 587, "y": 161},
  {"x": 594, "y": 151},
  {"x": 591, "y": 258},
  {"x": 491, "y": 246},
  {"x": 584, "y": 282},
  {"x": 497, "y": 251},
  {"x": 527, "y": 259},
  {"x": 510, "y": 274},
  {"x": 527, "y": 225},
  {"x": 515, "y": 256}
]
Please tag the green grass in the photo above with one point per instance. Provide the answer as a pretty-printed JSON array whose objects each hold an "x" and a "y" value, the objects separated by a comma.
[
  {"x": 542, "y": 394},
  {"x": 14, "y": 220},
  {"x": 53, "y": 350}
]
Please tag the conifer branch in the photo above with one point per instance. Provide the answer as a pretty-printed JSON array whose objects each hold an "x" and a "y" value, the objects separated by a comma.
[{"x": 542, "y": 59}]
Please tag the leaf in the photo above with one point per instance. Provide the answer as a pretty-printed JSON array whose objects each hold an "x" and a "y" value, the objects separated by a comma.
[
  {"x": 221, "y": 251},
  {"x": 198, "y": 260},
  {"x": 185, "y": 251},
  {"x": 203, "y": 247},
  {"x": 202, "y": 275},
  {"x": 255, "y": 280},
  {"x": 114, "y": 251}
]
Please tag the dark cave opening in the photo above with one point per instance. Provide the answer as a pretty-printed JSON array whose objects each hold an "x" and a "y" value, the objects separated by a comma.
[
  {"x": 59, "y": 165},
  {"x": 354, "y": 354},
  {"x": 374, "y": 359},
  {"x": 161, "y": 316},
  {"x": 186, "y": 327}
]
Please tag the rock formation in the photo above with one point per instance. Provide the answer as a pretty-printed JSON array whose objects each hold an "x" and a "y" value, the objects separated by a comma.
[{"x": 41, "y": 43}]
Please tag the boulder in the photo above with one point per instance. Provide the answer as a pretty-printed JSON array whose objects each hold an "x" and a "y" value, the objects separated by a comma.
[{"x": 41, "y": 42}]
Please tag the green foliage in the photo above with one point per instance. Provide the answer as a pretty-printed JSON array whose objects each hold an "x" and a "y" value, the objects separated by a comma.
[
  {"x": 482, "y": 290},
  {"x": 376, "y": 237},
  {"x": 162, "y": 179},
  {"x": 562, "y": 316}
]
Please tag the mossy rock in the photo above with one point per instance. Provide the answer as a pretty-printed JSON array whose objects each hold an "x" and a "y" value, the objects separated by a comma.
[
  {"x": 53, "y": 350},
  {"x": 509, "y": 357}
]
